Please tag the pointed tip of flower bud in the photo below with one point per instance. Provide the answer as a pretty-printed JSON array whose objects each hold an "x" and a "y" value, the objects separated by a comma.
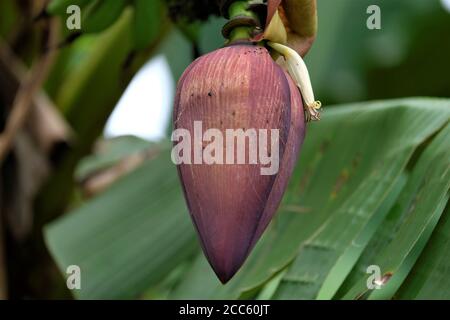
[
  {"x": 224, "y": 278},
  {"x": 225, "y": 273}
]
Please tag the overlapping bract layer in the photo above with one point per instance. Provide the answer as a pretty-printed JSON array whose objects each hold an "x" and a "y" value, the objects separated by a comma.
[{"x": 237, "y": 87}]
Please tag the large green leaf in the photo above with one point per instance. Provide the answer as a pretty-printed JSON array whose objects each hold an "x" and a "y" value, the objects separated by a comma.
[
  {"x": 130, "y": 237},
  {"x": 337, "y": 262},
  {"x": 352, "y": 166},
  {"x": 350, "y": 163},
  {"x": 425, "y": 198},
  {"x": 110, "y": 152},
  {"x": 385, "y": 234},
  {"x": 429, "y": 279}
]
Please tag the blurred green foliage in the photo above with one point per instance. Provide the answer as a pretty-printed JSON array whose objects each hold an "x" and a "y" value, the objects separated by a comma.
[{"x": 407, "y": 57}]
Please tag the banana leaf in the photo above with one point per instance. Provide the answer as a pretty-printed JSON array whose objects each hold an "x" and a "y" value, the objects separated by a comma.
[
  {"x": 354, "y": 164},
  {"x": 429, "y": 277},
  {"x": 350, "y": 163},
  {"x": 116, "y": 239},
  {"x": 427, "y": 196}
]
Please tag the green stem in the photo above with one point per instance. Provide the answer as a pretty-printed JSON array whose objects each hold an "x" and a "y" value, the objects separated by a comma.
[{"x": 240, "y": 8}]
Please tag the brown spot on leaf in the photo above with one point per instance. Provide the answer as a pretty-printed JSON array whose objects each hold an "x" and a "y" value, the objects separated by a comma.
[
  {"x": 340, "y": 182},
  {"x": 324, "y": 146},
  {"x": 296, "y": 209}
]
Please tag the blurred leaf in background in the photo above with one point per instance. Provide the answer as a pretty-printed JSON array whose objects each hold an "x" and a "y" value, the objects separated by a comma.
[{"x": 407, "y": 57}]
